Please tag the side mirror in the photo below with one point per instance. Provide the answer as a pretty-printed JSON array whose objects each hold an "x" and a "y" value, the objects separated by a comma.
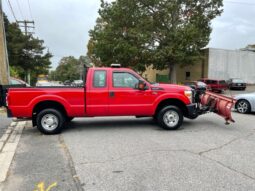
[{"x": 141, "y": 85}]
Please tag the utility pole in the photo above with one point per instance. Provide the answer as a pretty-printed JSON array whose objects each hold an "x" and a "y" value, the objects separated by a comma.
[
  {"x": 27, "y": 25},
  {"x": 4, "y": 63}
]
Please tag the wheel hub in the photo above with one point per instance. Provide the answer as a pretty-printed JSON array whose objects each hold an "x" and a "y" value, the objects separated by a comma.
[
  {"x": 242, "y": 107},
  {"x": 171, "y": 118},
  {"x": 49, "y": 122}
]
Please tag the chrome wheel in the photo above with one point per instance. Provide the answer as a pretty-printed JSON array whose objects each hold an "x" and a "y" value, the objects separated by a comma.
[
  {"x": 49, "y": 122},
  {"x": 171, "y": 118},
  {"x": 242, "y": 106}
]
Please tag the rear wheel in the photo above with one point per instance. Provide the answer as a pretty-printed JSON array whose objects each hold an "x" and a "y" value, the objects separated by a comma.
[
  {"x": 50, "y": 121},
  {"x": 243, "y": 106},
  {"x": 170, "y": 117}
]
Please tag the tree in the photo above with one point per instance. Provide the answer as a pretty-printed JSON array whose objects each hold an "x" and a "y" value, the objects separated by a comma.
[
  {"x": 164, "y": 33},
  {"x": 26, "y": 54},
  {"x": 70, "y": 68},
  {"x": 250, "y": 47}
]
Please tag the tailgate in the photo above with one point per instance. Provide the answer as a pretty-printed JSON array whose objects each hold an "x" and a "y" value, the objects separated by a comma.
[{"x": 4, "y": 91}]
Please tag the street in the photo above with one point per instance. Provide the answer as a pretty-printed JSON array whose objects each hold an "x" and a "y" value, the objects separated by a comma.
[{"x": 135, "y": 154}]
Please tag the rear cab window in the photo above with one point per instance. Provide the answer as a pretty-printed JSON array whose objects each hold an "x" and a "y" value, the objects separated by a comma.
[{"x": 99, "y": 79}]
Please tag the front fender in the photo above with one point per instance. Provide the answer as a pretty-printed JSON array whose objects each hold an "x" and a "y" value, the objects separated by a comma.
[{"x": 177, "y": 96}]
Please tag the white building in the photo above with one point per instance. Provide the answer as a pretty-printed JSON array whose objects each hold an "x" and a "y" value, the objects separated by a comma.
[{"x": 225, "y": 64}]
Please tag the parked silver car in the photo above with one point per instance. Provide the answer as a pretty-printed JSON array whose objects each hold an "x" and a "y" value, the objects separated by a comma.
[{"x": 245, "y": 103}]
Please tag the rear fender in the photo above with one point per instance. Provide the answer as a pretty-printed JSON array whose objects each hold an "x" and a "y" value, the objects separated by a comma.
[{"x": 55, "y": 98}]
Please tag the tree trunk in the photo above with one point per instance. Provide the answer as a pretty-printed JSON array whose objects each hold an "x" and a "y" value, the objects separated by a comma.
[{"x": 172, "y": 73}]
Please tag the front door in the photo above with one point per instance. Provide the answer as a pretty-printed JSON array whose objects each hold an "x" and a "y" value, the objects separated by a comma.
[{"x": 126, "y": 99}]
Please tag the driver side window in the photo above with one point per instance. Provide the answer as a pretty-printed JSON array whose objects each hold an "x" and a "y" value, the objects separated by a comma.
[{"x": 124, "y": 80}]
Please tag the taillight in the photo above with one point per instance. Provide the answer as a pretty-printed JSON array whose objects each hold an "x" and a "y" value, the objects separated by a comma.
[{"x": 6, "y": 99}]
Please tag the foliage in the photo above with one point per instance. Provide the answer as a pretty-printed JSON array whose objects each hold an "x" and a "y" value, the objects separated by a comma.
[
  {"x": 250, "y": 47},
  {"x": 26, "y": 54},
  {"x": 69, "y": 68},
  {"x": 137, "y": 33}
]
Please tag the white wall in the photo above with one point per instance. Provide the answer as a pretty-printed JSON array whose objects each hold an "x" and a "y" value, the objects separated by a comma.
[{"x": 225, "y": 64}]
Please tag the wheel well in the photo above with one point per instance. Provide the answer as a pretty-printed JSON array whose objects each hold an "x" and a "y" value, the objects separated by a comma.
[
  {"x": 174, "y": 102},
  {"x": 47, "y": 104}
]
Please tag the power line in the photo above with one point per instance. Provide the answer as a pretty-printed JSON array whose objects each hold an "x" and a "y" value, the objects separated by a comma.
[
  {"x": 10, "y": 5},
  {"x": 20, "y": 9},
  {"x": 30, "y": 11}
]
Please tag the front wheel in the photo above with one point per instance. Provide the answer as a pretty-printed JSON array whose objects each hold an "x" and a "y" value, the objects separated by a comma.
[
  {"x": 50, "y": 121},
  {"x": 170, "y": 117}
]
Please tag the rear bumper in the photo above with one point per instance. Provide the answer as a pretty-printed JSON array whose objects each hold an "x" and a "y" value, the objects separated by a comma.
[
  {"x": 192, "y": 111},
  {"x": 238, "y": 87},
  {"x": 9, "y": 113}
]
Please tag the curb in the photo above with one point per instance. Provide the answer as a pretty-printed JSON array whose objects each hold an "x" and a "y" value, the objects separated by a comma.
[
  {"x": 8, "y": 145},
  {"x": 2, "y": 110}
]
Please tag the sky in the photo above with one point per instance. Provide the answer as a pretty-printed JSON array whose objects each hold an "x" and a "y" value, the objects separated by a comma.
[{"x": 64, "y": 24}]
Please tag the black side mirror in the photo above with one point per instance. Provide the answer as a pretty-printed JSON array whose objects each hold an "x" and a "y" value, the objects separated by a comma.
[{"x": 141, "y": 85}]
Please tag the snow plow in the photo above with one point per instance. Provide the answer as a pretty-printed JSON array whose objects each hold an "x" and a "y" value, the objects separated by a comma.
[{"x": 216, "y": 103}]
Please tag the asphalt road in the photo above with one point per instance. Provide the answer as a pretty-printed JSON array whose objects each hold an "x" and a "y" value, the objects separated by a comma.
[{"x": 134, "y": 154}]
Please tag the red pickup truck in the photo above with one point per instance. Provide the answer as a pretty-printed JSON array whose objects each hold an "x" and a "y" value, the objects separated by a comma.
[
  {"x": 107, "y": 92},
  {"x": 215, "y": 85},
  {"x": 111, "y": 91}
]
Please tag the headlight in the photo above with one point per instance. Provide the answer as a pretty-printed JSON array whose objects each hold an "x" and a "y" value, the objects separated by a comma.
[{"x": 188, "y": 94}]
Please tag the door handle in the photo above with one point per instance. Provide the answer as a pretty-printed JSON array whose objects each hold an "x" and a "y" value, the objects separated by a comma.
[{"x": 111, "y": 94}]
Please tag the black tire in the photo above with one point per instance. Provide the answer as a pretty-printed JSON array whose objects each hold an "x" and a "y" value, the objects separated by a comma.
[
  {"x": 54, "y": 116},
  {"x": 69, "y": 119},
  {"x": 175, "y": 114},
  {"x": 243, "y": 106}
]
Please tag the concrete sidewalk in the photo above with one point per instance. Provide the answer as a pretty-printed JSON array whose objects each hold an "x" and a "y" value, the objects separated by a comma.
[
  {"x": 8, "y": 144},
  {"x": 4, "y": 121},
  {"x": 41, "y": 161}
]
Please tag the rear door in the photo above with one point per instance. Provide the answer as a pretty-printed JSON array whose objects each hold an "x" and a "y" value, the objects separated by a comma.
[
  {"x": 97, "y": 94},
  {"x": 125, "y": 99}
]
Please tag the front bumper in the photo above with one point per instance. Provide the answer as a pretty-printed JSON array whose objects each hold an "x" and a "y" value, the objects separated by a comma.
[{"x": 192, "y": 111}]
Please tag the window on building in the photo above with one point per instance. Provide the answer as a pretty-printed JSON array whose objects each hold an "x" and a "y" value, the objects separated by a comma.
[
  {"x": 187, "y": 76},
  {"x": 99, "y": 80}
]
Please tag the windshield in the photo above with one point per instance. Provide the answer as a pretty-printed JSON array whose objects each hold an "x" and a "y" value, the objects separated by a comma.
[
  {"x": 201, "y": 84},
  {"x": 222, "y": 82},
  {"x": 238, "y": 81}
]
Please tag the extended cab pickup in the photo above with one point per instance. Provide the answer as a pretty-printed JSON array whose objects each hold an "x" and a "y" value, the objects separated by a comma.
[{"x": 106, "y": 92}]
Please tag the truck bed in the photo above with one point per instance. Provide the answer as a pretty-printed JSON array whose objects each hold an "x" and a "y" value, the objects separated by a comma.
[{"x": 71, "y": 97}]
